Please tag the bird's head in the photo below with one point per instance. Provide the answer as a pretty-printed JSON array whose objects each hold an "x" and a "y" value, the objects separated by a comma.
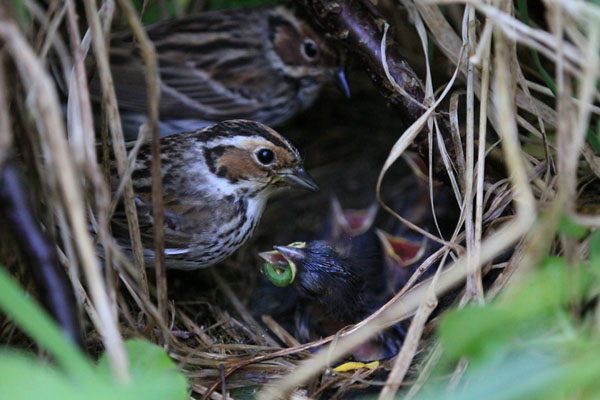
[
  {"x": 303, "y": 53},
  {"x": 254, "y": 157},
  {"x": 319, "y": 272}
]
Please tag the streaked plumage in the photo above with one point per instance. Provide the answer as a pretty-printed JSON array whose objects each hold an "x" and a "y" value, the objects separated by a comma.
[
  {"x": 345, "y": 282},
  {"x": 216, "y": 182},
  {"x": 338, "y": 286},
  {"x": 341, "y": 280},
  {"x": 261, "y": 63}
]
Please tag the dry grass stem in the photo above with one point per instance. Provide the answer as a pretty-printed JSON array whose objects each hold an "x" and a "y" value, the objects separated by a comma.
[
  {"x": 153, "y": 89},
  {"x": 114, "y": 122},
  {"x": 262, "y": 336},
  {"x": 399, "y": 148},
  {"x": 52, "y": 135},
  {"x": 409, "y": 347},
  {"x": 481, "y": 153},
  {"x": 279, "y": 331},
  {"x": 5, "y": 123},
  {"x": 81, "y": 126},
  {"x": 474, "y": 282}
]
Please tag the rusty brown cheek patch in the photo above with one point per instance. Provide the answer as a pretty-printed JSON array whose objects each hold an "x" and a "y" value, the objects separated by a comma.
[
  {"x": 328, "y": 57},
  {"x": 287, "y": 45},
  {"x": 237, "y": 164}
]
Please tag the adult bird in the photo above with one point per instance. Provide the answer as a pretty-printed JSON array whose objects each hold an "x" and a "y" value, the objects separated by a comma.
[
  {"x": 216, "y": 183},
  {"x": 260, "y": 63}
]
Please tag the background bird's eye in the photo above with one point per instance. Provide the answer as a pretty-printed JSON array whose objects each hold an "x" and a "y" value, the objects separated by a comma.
[
  {"x": 265, "y": 156},
  {"x": 309, "y": 48}
]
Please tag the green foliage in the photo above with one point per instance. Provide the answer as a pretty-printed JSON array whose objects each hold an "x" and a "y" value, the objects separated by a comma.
[
  {"x": 21, "y": 14},
  {"x": 152, "y": 11},
  {"x": 569, "y": 228},
  {"x": 154, "y": 375},
  {"x": 524, "y": 15},
  {"x": 593, "y": 138},
  {"x": 245, "y": 393},
  {"x": 595, "y": 247},
  {"x": 539, "y": 342}
]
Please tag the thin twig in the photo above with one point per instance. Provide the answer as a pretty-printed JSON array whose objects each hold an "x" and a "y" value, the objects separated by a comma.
[
  {"x": 52, "y": 134},
  {"x": 263, "y": 336},
  {"x": 153, "y": 90},
  {"x": 409, "y": 347},
  {"x": 278, "y": 330},
  {"x": 114, "y": 122},
  {"x": 5, "y": 120}
]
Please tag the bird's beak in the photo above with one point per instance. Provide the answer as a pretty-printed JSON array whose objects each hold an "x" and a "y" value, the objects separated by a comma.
[
  {"x": 279, "y": 268},
  {"x": 338, "y": 77},
  {"x": 352, "y": 222},
  {"x": 292, "y": 253},
  {"x": 300, "y": 178},
  {"x": 401, "y": 252},
  {"x": 273, "y": 257}
]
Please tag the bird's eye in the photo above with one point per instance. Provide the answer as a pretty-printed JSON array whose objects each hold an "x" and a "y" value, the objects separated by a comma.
[
  {"x": 265, "y": 156},
  {"x": 309, "y": 49}
]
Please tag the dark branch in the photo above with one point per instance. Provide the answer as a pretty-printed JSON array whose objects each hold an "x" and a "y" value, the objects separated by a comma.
[
  {"x": 50, "y": 279},
  {"x": 358, "y": 26}
]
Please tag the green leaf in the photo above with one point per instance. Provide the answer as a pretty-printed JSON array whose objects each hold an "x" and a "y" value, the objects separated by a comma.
[
  {"x": 571, "y": 229},
  {"x": 35, "y": 322},
  {"x": 245, "y": 393},
  {"x": 595, "y": 248},
  {"x": 524, "y": 15},
  {"x": 541, "y": 302},
  {"x": 155, "y": 377},
  {"x": 544, "y": 291},
  {"x": 154, "y": 374},
  {"x": 474, "y": 331},
  {"x": 593, "y": 138},
  {"x": 23, "y": 377}
]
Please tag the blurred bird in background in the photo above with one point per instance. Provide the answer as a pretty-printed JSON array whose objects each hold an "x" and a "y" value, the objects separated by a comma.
[{"x": 261, "y": 63}]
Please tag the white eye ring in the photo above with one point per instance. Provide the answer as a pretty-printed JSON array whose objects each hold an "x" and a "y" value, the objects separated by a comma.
[
  {"x": 265, "y": 156},
  {"x": 309, "y": 49}
]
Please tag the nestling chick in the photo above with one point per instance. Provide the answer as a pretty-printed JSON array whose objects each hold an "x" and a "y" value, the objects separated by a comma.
[
  {"x": 216, "y": 183},
  {"x": 342, "y": 280},
  {"x": 261, "y": 63}
]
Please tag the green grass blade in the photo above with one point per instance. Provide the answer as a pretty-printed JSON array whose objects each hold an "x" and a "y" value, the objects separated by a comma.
[{"x": 35, "y": 322}]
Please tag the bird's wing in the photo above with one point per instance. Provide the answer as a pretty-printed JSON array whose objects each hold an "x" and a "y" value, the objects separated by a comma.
[
  {"x": 205, "y": 72},
  {"x": 120, "y": 227},
  {"x": 184, "y": 222},
  {"x": 214, "y": 94}
]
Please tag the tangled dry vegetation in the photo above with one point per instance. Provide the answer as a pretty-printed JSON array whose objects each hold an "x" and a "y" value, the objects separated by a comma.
[{"x": 535, "y": 115}]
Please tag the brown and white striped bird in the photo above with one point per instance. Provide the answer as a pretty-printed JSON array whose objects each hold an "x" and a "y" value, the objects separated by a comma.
[
  {"x": 216, "y": 183},
  {"x": 261, "y": 63}
]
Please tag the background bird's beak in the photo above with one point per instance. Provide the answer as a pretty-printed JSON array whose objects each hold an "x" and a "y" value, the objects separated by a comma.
[
  {"x": 300, "y": 179},
  {"x": 338, "y": 77},
  {"x": 291, "y": 253}
]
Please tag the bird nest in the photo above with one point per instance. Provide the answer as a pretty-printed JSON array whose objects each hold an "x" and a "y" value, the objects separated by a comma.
[{"x": 517, "y": 90}]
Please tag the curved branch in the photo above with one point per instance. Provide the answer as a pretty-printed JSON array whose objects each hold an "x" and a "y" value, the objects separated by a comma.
[{"x": 50, "y": 279}]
